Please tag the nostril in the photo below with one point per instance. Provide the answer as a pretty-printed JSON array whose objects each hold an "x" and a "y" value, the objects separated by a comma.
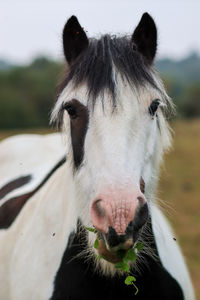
[
  {"x": 98, "y": 216},
  {"x": 142, "y": 201},
  {"x": 98, "y": 208}
]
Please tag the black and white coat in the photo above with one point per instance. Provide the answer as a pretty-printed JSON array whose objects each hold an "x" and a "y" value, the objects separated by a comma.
[{"x": 115, "y": 134}]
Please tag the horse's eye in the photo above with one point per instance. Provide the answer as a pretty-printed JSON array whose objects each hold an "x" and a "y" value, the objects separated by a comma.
[
  {"x": 71, "y": 111},
  {"x": 154, "y": 106}
]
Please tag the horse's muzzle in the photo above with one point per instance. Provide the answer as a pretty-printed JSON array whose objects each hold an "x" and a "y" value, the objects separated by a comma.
[{"x": 118, "y": 217}]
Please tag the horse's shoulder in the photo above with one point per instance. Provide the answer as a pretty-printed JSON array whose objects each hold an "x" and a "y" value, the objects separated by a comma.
[
  {"x": 27, "y": 162},
  {"x": 23, "y": 154}
]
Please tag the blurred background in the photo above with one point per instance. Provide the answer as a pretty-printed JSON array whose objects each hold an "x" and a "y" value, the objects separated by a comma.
[{"x": 31, "y": 64}]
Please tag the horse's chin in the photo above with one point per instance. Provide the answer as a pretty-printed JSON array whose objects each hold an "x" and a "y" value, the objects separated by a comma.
[{"x": 110, "y": 256}]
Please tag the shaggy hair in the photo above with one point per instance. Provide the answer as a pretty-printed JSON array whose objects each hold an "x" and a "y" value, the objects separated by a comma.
[{"x": 97, "y": 64}]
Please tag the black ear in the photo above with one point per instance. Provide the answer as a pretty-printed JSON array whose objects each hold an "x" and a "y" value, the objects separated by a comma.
[
  {"x": 145, "y": 37},
  {"x": 74, "y": 39}
]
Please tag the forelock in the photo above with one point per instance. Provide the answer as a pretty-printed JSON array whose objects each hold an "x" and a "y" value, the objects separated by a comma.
[{"x": 97, "y": 65}]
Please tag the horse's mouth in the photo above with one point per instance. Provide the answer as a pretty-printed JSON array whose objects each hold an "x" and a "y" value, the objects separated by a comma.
[{"x": 112, "y": 256}]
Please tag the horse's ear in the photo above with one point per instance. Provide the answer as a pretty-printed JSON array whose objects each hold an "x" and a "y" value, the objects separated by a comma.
[
  {"x": 145, "y": 37},
  {"x": 74, "y": 39}
]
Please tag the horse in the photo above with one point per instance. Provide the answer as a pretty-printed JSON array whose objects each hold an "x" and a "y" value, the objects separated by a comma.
[{"x": 112, "y": 110}]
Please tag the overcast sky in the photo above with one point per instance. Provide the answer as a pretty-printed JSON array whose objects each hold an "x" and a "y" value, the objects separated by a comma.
[{"x": 34, "y": 27}]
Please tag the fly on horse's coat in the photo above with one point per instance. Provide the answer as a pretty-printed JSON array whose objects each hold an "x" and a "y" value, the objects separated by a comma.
[{"x": 112, "y": 110}]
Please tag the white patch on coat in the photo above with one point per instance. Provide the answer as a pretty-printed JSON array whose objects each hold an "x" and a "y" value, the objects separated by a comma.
[
  {"x": 28, "y": 154},
  {"x": 170, "y": 253}
]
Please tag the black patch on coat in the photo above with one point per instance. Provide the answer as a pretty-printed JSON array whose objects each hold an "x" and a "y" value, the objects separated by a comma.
[
  {"x": 14, "y": 184},
  {"x": 12, "y": 207},
  {"x": 76, "y": 278}
]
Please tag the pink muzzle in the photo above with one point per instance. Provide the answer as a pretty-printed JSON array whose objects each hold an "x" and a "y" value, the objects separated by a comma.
[{"x": 116, "y": 209}]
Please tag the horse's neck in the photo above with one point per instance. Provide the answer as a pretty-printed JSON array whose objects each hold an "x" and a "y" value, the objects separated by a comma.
[
  {"x": 42, "y": 230},
  {"x": 52, "y": 201}
]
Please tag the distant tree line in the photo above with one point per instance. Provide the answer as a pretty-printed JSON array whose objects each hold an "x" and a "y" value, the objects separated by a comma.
[
  {"x": 182, "y": 81},
  {"x": 27, "y": 93}
]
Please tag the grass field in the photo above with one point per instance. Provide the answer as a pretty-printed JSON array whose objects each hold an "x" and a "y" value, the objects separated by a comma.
[{"x": 180, "y": 190}]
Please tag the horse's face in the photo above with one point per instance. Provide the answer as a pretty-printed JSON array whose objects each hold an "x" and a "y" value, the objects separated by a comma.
[
  {"x": 112, "y": 155},
  {"x": 113, "y": 149}
]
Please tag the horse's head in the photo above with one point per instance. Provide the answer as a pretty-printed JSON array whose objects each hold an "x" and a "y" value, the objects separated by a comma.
[{"x": 111, "y": 107}]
